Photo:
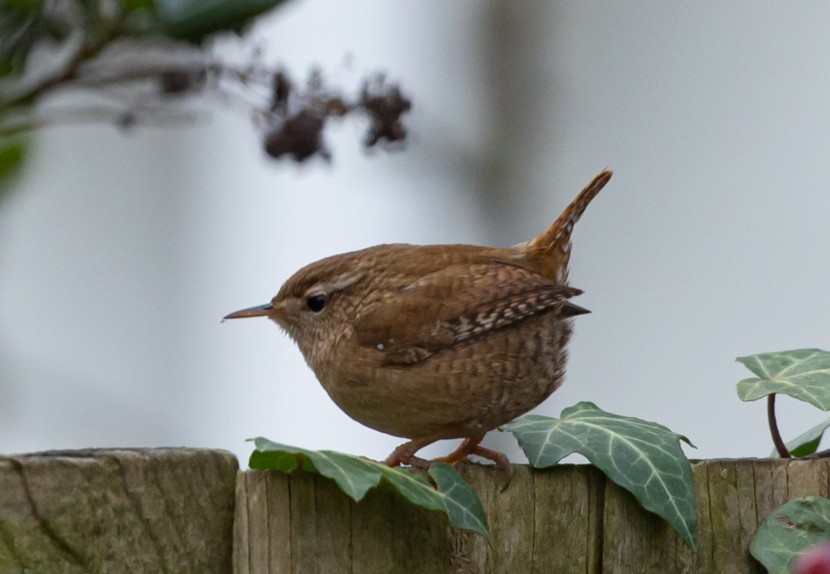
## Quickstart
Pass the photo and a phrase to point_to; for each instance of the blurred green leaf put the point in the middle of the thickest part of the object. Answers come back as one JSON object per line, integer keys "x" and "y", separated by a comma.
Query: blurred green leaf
{"x": 803, "y": 374}
{"x": 21, "y": 23}
{"x": 12, "y": 155}
{"x": 194, "y": 19}
{"x": 130, "y": 5}
{"x": 356, "y": 476}
{"x": 644, "y": 458}
{"x": 790, "y": 529}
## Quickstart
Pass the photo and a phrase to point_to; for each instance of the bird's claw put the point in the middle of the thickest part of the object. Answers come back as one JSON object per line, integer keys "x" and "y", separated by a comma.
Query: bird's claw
{"x": 405, "y": 455}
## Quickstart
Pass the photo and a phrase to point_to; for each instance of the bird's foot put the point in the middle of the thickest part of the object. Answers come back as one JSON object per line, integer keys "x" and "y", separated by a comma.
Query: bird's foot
{"x": 405, "y": 454}
{"x": 501, "y": 461}
{"x": 470, "y": 446}
{"x": 465, "y": 449}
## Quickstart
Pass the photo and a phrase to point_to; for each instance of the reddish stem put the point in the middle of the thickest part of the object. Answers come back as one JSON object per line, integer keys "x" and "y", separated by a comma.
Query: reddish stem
{"x": 773, "y": 429}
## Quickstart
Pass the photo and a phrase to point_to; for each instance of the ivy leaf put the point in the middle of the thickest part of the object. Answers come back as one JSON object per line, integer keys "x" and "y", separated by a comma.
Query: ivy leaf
{"x": 790, "y": 529}
{"x": 807, "y": 442}
{"x": 463, "y": 506}
{"x": 803, "y": 374}
{"x": 356, "y": 476}
{"x": 642, "y": 457}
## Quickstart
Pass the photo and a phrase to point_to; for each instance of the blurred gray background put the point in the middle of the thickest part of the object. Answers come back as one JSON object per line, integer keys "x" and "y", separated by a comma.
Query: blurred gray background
{"x": 119, "y": 253}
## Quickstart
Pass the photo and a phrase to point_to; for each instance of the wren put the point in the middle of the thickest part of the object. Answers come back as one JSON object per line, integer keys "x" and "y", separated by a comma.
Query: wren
{"x": 438, "y": 341}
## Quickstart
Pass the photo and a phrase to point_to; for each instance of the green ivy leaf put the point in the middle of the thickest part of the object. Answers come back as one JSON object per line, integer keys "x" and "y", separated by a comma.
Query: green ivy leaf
{"x": 463, "y": 506}
{"x": 803, "y": 374}
{"x": 355, "y": 476}
{"x": 807, "y": 442}
{"x": 790, "y": 529}
{"x": 642, "y": 457}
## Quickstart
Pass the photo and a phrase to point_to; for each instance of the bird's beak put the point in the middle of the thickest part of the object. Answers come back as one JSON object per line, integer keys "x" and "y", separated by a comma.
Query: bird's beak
{"x": 258, "y": 311}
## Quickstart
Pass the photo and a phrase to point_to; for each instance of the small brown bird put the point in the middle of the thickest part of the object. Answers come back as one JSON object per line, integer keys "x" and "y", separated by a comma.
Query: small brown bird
{"x": 439, "y": 341}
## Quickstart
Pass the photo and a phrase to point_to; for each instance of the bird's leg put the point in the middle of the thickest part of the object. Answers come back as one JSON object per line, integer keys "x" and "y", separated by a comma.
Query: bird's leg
{"x": 461, "y": 453}
{"x": 499, "y": 458}
{"x": 471, "y": 445}
{"x": 405, "y": 454}
{"x": 501, "y": 461}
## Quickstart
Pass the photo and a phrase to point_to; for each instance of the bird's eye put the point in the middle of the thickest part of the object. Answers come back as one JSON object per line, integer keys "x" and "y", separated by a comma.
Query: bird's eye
{"x": 317, "y": 302}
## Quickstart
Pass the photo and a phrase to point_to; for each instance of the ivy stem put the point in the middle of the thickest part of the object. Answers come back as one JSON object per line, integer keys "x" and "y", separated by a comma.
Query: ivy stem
{"x": 773, "y": 428}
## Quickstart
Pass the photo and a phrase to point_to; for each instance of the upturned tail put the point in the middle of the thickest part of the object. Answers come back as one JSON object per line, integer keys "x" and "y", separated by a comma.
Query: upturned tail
{"x": 551, "y": 251}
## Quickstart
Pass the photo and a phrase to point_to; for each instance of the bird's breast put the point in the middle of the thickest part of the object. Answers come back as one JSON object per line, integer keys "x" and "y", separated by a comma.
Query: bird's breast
{"x": 461, "y": 390}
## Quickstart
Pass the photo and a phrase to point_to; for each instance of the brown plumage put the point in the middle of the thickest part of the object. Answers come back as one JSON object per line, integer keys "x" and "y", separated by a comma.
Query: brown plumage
{"x": 441, "y": 341}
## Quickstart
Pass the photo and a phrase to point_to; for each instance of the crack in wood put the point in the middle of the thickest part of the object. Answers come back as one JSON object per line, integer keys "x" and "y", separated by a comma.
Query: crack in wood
{"x": 135, "y": 501}
{"x": 73, "y": 555}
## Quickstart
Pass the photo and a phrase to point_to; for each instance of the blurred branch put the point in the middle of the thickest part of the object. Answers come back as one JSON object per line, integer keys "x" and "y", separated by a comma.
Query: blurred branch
{"x": 147, "y": 57}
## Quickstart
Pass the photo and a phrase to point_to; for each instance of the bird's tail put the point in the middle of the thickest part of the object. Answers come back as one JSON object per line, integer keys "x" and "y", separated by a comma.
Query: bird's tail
{"x": 551, "y": 250}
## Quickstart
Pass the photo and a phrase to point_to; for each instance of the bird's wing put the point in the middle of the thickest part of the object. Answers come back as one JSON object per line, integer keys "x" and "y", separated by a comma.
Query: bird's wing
{"x": 458, "y": 304}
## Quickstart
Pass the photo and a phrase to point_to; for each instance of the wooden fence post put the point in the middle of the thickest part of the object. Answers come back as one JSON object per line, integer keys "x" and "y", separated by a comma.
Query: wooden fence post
{"x": 564, "y": 519}
{"x": 149, "y": 510}
{"x": 189, "y": 510}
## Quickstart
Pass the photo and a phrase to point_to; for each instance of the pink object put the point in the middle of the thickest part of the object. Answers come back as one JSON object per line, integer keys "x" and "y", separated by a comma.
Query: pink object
{"x": 814, "y": 560}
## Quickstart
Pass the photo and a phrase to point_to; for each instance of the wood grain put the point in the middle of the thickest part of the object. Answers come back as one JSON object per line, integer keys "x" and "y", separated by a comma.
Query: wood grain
{"x": 149, "y": 510}
{"x": 189, "y": 510}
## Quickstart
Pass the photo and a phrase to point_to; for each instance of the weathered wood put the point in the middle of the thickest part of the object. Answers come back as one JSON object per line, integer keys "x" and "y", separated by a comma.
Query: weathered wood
{"x": 372, "y": 535}
{"x": 173, "y": 511}
{"x": 421, "y": 540}
{"x": 152, "y": 510}
{"x": 688, "y": 560}
{"x": 632, "y": 541}
{"x": 725, "y": 501}
{"x": 333, "y": 535}
{"x": 566, "y": 535}
{"x": 565, "y": 519}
